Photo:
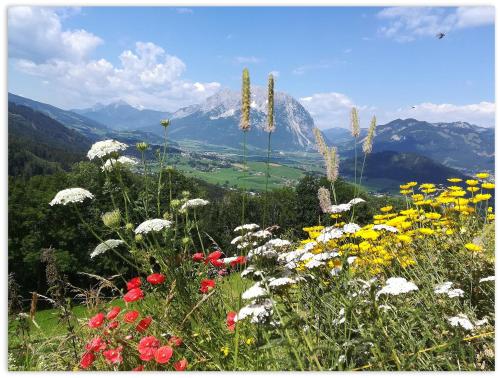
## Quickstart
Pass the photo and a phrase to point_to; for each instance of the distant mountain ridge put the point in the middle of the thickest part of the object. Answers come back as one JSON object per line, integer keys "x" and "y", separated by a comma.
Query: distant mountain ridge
{"x": 122, "y": 116}
{"x": 459, "y": 145}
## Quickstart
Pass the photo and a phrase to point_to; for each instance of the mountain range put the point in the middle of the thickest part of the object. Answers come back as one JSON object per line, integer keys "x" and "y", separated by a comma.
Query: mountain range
{"x": 215, "y": 121}
{"x": 459, "y": 145}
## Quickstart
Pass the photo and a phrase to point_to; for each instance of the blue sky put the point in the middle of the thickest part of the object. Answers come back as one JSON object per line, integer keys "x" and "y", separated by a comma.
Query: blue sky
{"x": 382, "y": 60}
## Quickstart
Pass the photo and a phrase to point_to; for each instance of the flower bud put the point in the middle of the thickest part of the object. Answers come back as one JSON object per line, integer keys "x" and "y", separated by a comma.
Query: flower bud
{"x": 142, "y": 146}
{"x": 139, "y": 238}
{"x": 165, "y": 122}
{"x": 112, "y": 219}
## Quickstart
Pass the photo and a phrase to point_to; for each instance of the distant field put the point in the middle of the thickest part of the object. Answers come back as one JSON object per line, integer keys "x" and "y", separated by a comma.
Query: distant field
{"x": 253, "y": 179}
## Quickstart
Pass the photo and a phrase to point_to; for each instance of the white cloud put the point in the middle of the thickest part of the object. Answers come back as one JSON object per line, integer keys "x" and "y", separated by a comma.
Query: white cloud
{"x": 333, "y": 110}
{"x": 405, "y": 24}
{"x": 275, "y": 74}
{"x": 310, "y": 67}
{"x": 247, "y": 59}
{"x": 481, "y": 114}
{"x": 36, "y": 34}
{"x": 146, "y": 77}
{"x": 184, "y": 10}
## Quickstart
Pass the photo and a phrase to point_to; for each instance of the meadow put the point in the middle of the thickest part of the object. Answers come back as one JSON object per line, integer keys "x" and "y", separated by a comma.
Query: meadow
{"x": 409, "y": 287}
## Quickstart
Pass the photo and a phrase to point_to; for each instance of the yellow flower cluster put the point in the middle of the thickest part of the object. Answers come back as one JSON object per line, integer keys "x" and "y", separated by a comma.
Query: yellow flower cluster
{"x": 434, "y": 212}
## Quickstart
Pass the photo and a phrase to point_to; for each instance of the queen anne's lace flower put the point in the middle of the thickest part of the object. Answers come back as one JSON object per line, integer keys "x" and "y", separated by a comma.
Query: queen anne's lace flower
{"x": 351, "y": 228}
{"x": 278, "y": 243}
{"x": 247, "y": 227}
{"x": 71, "y": 195}
{"x": 329, "y": 233}
{"x": 262, "y": 234}
{"x": 445, "y": 288}
{"x": 106, "y": 246}
{"x": 281, "y": 281}
{"x": 486, "y": 279}
{"x": 343, "y": 207}
{"x": 104, "y": 148}
{"x": 396, "y": 286}
{"x": 355, "y": 201}
{"x": 260, "y": 311}
{"x": 193, "y": 203}
{"x": 462, "y": 321}
{"x": 255, "y": 291}
{"x": 123, "y": 160}
{"x": 152, "y": 225}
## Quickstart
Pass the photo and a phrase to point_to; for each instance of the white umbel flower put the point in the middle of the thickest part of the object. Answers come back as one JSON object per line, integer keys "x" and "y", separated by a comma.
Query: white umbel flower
{"x": 255, "y": 291}
{"x": 123, "y": 160}
{"x": 258, "y": 311}
{"x": 281, "y": 281}
{"x": 396, "y": 286}
{"x": 152, "y": 225}
{"x": 262, "y": 234}
{"x": 104, "y": 148}
{"x": 247, "y": 227}
{"x": 355, "y": 201}
{"x": 385, "y": 227}
{"x": 194, "y": 203}
{"x": 278, "y": 243}
{"x": 71, "y": 195}
{"x": 462, "y": 321}
{"x": 329, "y": 233}
{"x": 445, "y": 288}
{"x": 351, "y": 228}
{"x": 343, "y": 207}
{"x": 486, "y": 279}
{"x": 106, "y": 246}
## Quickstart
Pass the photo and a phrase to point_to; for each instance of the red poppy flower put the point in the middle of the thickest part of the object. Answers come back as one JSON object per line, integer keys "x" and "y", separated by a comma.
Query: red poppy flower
{"x": 113, "y": 325}
{"x": 113, "y": 356}
{"x": 213, "y": 256}
{"x": 113, "y": 313}
{"x": 206, "y": 286}
{"x": 96, "y": 321}
{"x": 231, "y": 320}
{"x": 175, "y": 341}
{"x": 181, "y": 365}
{"x": 95, "y": 345}
{"x": 133, "y": 295}
{"x": 163, "y": 354}
{"x": 156, "y": 279}
{"x": 239, "y": 260}
{"x": 131, "y": 316}
{"x": 148, "y": 342}
{"x": 144, "y": 324}
{"x": 219, "y": 263}
{"x": 138, "y": 368}
{"x": 87, "y": 359}
{"x": 198, "y": 256}
{"x": 147, "y": 354}
{"x": 134, "y": 283}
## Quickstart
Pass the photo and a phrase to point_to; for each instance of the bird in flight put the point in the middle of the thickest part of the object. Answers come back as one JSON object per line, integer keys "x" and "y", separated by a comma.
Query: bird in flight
{"x": 413, "y": 107}
{"x": 440, "y": 35}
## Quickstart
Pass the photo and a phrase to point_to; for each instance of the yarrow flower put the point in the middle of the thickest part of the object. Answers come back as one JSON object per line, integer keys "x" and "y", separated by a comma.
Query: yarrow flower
{"x": 152, "y": 225}
{"x": 343, "y": 207}
{"x": 104, "y": 148}
{"x": 351, "y": 228}
{"x": 194, "y": 203}
{"x": 486, "y": 279}
{"x": 259, "y": 311}
{"x": 396, "y": 286}
{"x": 462, "y": 321}
{"x": 71, "y": 195}
{"x": 247, "y": 227}
{"x": 106, "y": 246}
{"x": 445, "y": 288}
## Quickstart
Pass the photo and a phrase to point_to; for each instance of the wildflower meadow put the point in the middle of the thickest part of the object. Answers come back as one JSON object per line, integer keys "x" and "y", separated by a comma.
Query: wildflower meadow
{"x": 409, "y": 287}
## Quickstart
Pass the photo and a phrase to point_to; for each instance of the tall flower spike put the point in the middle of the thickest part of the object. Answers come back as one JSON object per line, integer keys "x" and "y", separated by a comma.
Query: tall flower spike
{"x": 320, "y": 142}
{"x": 332, "y": 164}
{"x": 354, "y": 122}
{"x": 245, "y": 101}
{"x": 324, "y": 199}
{"x": 270, "y": 104}
{"x": 368, "y": 144}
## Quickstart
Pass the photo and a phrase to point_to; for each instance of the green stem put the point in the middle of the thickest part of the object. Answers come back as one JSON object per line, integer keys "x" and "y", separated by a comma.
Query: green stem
{"x": 162, "y": 160}
{"x": 266, "y": 210}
